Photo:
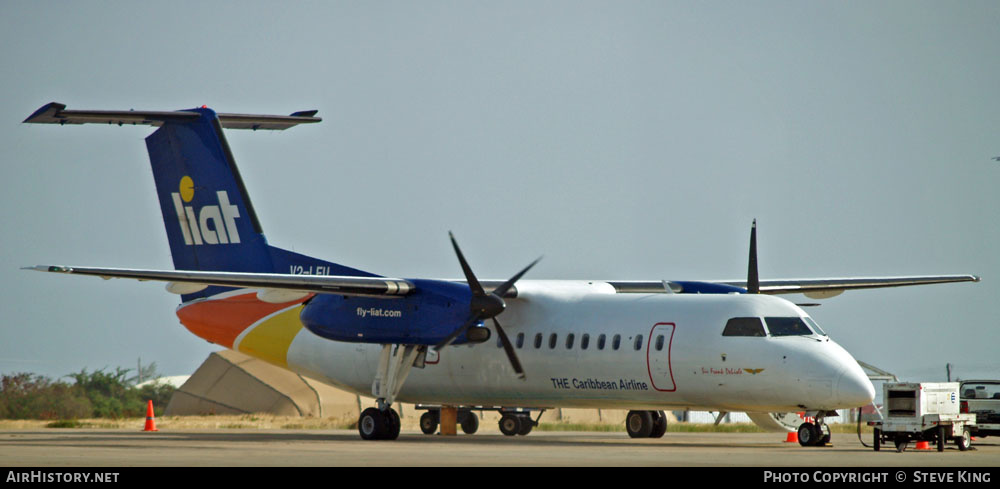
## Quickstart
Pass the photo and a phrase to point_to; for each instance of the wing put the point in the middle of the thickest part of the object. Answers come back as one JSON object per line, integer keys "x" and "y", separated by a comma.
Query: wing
{"x": 822, "y": 288}
{"x": 322, "y": 284}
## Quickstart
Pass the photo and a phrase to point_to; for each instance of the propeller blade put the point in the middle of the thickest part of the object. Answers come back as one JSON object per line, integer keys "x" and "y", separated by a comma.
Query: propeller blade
{"x": 454, "y": 334}
{"x": 477, "y": 289}
{"x": 504, "y": 287}
{"x": 507, "y": 347}
{"x": 484, "y": 306}
{"x": 753, "y": 281}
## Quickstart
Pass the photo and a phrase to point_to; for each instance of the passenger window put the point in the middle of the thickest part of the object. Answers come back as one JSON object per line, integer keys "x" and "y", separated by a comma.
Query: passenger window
{"x": 744, "y": 327}
{"x": 638, "y": 343}
{"x": 584, "y": 341}
{"x": 538, "y": 341}
{"x": 659, "y": 343}
{"x": 616, "y": 342}
{"x": 553, "y": 338}
{"x": 600, "y": 341}
{"x": 569, "y": 340}
{"x": 520, "y": 340}
{"x": 793, "y": 326}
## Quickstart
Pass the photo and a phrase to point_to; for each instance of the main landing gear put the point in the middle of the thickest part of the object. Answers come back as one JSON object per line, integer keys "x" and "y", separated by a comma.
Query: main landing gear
{"x": 382, "y": 423}
{"x": 467, "y": 420}
{"x": 646, "y": 424}
{"x": 512, "y": 424}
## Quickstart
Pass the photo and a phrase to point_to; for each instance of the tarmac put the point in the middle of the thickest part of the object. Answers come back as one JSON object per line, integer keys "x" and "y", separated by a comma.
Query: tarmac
{"x": 276, "y": 448}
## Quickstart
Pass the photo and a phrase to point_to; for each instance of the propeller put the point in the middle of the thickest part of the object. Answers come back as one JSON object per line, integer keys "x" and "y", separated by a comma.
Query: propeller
{"x": 486, "y": 306}
{"x": 753, "y": 281}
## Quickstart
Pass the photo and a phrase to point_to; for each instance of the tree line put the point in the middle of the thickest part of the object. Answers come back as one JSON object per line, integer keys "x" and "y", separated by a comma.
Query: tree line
{"x": 98, "y": 394}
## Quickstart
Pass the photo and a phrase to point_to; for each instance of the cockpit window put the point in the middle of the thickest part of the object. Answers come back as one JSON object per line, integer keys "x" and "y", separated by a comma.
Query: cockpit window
{"x": 744, "y": 327}
{"x": 793, "y": 326}
{"x": 815, "y": 327}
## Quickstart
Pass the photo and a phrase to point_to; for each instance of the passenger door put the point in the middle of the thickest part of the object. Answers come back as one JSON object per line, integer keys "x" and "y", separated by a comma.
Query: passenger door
{"x": 658, "y": 357}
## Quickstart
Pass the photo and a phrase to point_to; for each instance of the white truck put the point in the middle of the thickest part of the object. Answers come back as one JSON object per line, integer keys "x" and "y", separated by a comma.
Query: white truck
{"x": 982, "y": 398}
{"x": 925, "y": 411}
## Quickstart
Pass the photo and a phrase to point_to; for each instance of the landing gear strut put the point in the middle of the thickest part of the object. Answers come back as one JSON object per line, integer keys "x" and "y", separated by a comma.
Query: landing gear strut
{"x": 382, "y": 423}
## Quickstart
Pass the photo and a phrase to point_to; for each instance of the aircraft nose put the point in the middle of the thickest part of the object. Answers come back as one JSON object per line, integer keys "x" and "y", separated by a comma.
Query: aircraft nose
{"x": 854, "y": 388}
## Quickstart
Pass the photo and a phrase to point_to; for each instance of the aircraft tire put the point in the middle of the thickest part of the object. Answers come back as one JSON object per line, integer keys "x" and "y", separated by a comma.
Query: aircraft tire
{"x": 510, "y": 424}
{"x": 826, "y": 435}
{"x": 372, "y": 424}
{"x": 659, "y": 425}
{"x": 470, "y": 424}
{"x": 526, "y": 425}
{"x": 429, "y": 423}
{"x": 393, "y": 425}
{"x": 639, "y": 424}
{"x": 810, "y": 435}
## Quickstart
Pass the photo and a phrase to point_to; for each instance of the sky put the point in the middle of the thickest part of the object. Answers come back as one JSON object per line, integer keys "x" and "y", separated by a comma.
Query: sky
{"x": 622, "y": 140}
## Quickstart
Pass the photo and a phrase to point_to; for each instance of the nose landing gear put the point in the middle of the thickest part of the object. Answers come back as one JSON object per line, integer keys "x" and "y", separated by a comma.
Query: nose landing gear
{"x": 814, "y": 434}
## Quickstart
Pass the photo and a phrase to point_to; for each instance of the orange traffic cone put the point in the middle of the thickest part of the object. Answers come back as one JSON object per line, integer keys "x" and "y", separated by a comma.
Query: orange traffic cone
{"x": 150, "y": 418}
{"x": 923, "y": 445}
{"x": 793, "y": 437}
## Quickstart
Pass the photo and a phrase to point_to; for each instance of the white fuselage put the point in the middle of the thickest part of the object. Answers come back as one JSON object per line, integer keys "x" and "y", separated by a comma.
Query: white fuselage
{"x": 670, "y": 354}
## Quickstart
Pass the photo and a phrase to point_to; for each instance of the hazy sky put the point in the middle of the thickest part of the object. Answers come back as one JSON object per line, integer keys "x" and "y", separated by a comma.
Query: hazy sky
{"x": 622, "y": 140}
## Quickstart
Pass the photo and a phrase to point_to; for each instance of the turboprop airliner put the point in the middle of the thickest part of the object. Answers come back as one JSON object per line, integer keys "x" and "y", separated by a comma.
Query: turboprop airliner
{"x": 645, "y": 346}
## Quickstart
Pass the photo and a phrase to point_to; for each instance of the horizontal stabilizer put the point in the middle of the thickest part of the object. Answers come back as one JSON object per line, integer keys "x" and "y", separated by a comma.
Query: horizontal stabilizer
{"x": 56, "y": 113}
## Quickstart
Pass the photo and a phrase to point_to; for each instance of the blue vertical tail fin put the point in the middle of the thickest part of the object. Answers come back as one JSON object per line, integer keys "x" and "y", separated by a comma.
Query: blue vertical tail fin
{"x": 210, "y": 222}
{"x": 207, "y": 213}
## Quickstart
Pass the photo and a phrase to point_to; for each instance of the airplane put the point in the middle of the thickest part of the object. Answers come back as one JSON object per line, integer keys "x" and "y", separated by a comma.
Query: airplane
{"x": 645, "y": 346}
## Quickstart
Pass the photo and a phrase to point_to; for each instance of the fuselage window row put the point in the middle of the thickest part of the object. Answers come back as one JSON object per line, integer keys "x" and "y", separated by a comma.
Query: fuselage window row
{"x": 584, "y": 341}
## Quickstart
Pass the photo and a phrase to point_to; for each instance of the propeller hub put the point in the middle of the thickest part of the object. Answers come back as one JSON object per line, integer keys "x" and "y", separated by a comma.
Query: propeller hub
{"x": 487, "y": 306}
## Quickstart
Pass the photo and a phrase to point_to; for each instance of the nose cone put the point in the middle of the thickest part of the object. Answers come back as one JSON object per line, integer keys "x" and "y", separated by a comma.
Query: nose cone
{"x": 854, "y": 389}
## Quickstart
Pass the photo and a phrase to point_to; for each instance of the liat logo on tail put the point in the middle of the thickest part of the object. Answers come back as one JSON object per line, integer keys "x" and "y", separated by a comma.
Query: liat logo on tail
{"x": 195, "y": 228}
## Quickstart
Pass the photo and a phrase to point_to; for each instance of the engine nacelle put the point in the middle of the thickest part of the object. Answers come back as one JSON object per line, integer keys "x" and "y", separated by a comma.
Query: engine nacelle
{"x": 694, "y": 287}
{"x": 425, "y": 317}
